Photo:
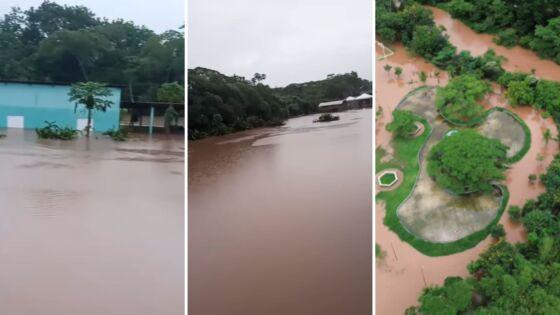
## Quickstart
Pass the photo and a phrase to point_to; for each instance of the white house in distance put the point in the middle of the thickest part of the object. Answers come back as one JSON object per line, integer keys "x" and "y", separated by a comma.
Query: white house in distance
{"x": 351, "y": 102}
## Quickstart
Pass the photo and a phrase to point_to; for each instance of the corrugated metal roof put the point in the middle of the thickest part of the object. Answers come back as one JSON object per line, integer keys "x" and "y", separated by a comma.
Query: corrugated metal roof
{"x": 331, "y": 103}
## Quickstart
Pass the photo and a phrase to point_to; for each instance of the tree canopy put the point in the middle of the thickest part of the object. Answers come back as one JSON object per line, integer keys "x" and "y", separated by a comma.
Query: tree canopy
{"x": 221, "y": 104}
{"x": 403, "y": 124}
{"x": 459, "y": 99}
{"x": 466, "y": 161}
{"x": 67, "y": 44}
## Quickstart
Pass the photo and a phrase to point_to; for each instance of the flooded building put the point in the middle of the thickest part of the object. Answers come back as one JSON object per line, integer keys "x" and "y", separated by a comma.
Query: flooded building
{"x": 351, "y": 102}
{"x": 30, "y": 104}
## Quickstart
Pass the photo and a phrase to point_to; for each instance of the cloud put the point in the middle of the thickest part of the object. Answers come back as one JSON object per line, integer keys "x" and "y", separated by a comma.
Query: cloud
{"x": 289, "y": 40}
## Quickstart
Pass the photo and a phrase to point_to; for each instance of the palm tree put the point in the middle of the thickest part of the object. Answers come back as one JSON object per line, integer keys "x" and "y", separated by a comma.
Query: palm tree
{"x": 93, "y": 96}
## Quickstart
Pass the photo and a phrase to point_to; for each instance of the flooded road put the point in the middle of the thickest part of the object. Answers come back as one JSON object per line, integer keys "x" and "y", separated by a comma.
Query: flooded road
{"x": 91, "y": 227}
{"x": 404, "y": 271}
{"x": 280, "y": 219}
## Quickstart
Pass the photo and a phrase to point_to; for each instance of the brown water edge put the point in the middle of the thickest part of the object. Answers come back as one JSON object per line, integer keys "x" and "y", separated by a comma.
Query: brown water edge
{"x": 280, "y": 219}
{"x": 91, "y": 227}
{"x": 403, "y": 277}
{"x": 518, "y": 58}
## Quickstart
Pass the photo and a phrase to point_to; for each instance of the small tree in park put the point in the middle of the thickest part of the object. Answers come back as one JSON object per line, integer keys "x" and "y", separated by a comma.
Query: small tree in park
{"x": 466, "y": 162}
{"x": 423, "y": 77}
{"x": 398, "y": 71}
{"x": 547, "y": 135}
{"x": 93, "y": 96}
{"x": 532, "y": 178}
{"x": 403, "y": 124}
{"x": 498, "y": 231}
{"x": 388, "y": 68}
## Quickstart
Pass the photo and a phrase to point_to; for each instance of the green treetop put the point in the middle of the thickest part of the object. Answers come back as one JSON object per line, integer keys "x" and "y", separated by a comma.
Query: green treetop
{"x": 466, "y": 162}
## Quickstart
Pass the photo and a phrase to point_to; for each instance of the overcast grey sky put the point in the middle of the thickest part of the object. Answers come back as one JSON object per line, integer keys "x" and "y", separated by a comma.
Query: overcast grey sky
{"x": 288, "y": 40}
{"x": 157, "y": 15}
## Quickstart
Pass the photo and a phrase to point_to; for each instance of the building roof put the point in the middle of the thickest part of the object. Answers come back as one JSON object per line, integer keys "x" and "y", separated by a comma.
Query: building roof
{"x": 332, "y": 103}
{"x": 364, "y": 96}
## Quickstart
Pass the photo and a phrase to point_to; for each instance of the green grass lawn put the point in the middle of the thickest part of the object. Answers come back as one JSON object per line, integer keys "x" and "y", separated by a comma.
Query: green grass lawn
{"x": 387, "y": 179}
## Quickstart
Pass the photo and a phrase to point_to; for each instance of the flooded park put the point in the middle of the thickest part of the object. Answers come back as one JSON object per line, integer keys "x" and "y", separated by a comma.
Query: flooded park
{"x": 91, "y": 226}
{"x": 403, "y": 270}
{"x": 282, "y": 212}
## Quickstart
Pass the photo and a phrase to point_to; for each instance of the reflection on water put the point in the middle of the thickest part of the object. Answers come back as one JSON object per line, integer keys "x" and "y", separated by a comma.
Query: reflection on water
{"x": 91, "y": 227}
{"x": 280, "y": 219}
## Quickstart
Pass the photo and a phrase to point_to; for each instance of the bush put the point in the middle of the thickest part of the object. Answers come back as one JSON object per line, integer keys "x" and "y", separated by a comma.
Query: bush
{"x": 53, "y": 131}
{"x": 403, "y": 124}
{"x": 507, "y": 37}
{"x": 497, "y": 231}
{"x": 458, "y": 101}
{"x": 515, "y": 213}
{"x": 532, "y": 178}
{"x": 117, "y": 134}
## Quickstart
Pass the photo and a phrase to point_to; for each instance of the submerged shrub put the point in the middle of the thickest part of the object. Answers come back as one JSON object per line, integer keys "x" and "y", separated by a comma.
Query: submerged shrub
{"x": 327, "y": 117}
{"x": 117, "y": 134}
{"x": 53, "y": 131}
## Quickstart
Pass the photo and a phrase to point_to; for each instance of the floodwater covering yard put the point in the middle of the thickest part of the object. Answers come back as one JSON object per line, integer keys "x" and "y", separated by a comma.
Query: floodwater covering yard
{"x": 91, "y": 226}
{"x": 404, "y": 271}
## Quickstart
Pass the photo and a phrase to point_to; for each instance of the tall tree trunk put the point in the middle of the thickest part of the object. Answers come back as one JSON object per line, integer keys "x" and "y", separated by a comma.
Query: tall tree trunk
{"x": 88, "y": 123}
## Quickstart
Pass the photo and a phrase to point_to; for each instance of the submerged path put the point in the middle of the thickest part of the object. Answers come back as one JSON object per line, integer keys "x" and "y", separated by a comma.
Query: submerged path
{"x": 404, "y": 271}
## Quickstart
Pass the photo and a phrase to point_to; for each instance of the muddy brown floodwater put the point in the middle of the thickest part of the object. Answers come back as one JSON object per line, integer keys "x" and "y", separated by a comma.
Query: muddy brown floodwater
{"x": 280, "y": 219}
{"x": 404, "y": 271}
{"x": 91, "y": 227}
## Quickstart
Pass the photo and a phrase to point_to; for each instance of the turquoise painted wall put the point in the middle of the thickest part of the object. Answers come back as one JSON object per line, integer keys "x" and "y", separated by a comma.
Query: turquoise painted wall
{"x": 40, "y": 102}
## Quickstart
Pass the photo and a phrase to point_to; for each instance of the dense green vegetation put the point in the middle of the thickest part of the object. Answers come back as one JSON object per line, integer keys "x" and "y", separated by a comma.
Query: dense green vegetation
{"x": 522, "y": 278}
{"x": 459, "y": 100}
{"x": 70, "y": 44}
{"x": 413, "y": 25}
{"x": 220, "y": 104}
{"x": 467, "y": 162}
{"x": 507, "y": 279}
{"x": 403, "y": 123}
